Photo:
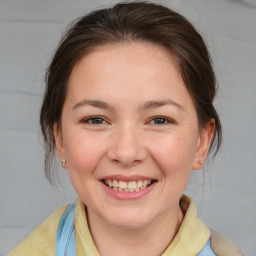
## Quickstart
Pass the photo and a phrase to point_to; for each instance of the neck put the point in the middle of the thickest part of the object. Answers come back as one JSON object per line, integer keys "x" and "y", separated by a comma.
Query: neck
{"x": 114, "y": 241}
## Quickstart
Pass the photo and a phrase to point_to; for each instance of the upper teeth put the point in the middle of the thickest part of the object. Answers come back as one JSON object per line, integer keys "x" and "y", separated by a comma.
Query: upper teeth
{"x": 130, "y": 186}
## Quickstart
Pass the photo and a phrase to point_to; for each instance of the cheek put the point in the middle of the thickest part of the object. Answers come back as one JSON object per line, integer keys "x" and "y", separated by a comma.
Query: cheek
{"x": 174, "y": 153}
{"x": 83, "y": 154}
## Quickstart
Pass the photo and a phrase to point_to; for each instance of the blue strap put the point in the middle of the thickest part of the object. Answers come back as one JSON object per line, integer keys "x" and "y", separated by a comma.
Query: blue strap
{"x": 66, "y": 242}
{"x": 207, "y": 250}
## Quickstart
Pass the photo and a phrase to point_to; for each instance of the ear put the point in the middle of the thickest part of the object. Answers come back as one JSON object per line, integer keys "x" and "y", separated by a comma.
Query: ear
{"x": 59, "y": 142}
{"x": 203, "y": 144}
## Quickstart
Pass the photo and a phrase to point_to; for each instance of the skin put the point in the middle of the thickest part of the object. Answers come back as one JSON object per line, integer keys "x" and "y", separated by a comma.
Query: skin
{"x": 144, "y": 123}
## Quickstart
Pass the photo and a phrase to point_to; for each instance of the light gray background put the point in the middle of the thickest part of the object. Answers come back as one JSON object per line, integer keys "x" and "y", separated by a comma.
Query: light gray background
{"x": 29, "y": 32}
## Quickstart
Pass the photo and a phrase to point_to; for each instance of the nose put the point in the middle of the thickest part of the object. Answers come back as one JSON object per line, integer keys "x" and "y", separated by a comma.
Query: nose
{"x": 127, "y": 148}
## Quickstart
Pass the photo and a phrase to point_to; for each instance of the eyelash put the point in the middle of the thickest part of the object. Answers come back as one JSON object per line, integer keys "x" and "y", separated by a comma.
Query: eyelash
{"x": 98, "y": 120}
{"x": 94, "y": 120}
{"x": 163, "y": 120}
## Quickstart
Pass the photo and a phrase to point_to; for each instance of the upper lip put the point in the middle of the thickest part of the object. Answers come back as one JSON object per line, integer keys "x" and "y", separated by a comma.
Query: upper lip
{"x": 127, "y": 178}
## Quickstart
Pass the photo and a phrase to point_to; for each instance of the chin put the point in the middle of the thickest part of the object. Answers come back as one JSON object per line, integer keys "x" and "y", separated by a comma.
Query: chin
{"x": 128, "y": 220}
{"x": 131, "y": 224}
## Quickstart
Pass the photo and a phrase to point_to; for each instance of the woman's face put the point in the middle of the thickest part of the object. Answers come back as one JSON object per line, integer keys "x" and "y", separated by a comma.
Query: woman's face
{"x": 129, "y": 134}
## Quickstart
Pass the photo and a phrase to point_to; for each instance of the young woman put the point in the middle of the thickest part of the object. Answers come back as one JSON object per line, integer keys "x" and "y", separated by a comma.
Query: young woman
{"x": 128, "y": 107}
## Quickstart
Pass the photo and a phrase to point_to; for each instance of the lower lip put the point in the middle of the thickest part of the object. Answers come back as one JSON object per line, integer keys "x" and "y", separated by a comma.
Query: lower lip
{"x": 128, "y": 195}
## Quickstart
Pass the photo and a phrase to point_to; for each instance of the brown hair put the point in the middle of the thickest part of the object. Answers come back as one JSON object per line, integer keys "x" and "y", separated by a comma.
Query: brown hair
{"x": 135, "y": 22}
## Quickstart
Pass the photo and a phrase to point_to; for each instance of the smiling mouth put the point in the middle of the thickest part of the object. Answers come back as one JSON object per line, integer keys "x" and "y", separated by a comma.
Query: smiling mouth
{"x": 131, "y": 186}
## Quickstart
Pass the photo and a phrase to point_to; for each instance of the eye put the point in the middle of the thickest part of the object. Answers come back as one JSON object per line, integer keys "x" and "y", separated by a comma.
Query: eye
{"x": 159, "y": 120}
{"x": 94, "y": 120}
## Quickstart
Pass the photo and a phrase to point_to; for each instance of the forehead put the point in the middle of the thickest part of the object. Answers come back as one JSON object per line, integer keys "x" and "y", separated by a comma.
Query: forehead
{"x": 129, "y": 68}
{"x": 133, "y": 57}
{"x": 128, "y": 54}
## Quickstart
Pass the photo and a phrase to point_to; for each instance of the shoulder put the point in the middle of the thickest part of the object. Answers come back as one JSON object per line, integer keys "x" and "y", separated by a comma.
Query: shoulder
{"x": 222, "y": 246}
{"x": 42, "y": 240}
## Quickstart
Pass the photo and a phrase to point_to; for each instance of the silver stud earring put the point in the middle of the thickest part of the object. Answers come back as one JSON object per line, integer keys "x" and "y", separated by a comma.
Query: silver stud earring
{"x": 63, "y": 162}
{"x": 200, "y": 162}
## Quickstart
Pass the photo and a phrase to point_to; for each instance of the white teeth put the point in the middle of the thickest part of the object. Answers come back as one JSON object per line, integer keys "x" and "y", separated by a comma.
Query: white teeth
{"x": 131, "y": 186}
{"x": 115, "y": 183}
{"x": 122, "y": 184}
{"x": 139, "y": 183}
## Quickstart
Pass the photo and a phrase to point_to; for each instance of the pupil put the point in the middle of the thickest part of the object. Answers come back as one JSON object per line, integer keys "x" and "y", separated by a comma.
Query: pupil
{"x": 97, "y": 120}
{"x": 159, "y": 121}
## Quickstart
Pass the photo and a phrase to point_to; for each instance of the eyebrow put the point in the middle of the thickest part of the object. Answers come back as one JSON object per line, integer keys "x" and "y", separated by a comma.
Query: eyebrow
{"x": 159, "y": 103}
{"x": 93, "y": 103}
{"x": 147, "y": 105}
